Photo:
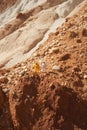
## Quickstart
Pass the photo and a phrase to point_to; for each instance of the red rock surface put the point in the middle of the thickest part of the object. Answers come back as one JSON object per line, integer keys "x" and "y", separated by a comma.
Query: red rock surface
{"x": 57, "y": 98}
{"x": 4, "y": 4}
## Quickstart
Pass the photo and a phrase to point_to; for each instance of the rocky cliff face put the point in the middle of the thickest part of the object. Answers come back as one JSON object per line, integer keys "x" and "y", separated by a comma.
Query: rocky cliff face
{"x": 54, "y": 98}
{"x": 27, "y": 24}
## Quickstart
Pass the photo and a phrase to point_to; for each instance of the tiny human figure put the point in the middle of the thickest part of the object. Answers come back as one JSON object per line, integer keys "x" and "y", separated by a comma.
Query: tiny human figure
{"x": 43, "y": 66}
{"x": 37, "y": 67}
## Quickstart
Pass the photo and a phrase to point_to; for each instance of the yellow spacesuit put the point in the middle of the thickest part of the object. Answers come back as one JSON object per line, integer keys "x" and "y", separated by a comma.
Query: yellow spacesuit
{"x": 37, "y": 67}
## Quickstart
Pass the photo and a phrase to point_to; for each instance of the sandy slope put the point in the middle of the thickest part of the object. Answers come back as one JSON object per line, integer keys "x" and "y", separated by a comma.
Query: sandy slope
{"x": 55, "y": 99}
{"x": 20, "y": 6}
{"x": 23, "y": 33}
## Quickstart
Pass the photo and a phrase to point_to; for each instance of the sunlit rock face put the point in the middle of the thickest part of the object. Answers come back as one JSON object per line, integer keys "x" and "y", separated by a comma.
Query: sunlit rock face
{"x": 47, "y": 89}
{"x": 24, "y": 24}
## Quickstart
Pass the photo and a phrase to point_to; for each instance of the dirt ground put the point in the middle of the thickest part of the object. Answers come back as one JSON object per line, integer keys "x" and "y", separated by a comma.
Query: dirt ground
{"x": 55, "y": 99}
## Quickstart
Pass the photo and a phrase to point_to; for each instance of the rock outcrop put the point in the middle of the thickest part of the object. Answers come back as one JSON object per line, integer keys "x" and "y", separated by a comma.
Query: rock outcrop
{"x": 25, "y": 25}
{"x": 53, "y": 99}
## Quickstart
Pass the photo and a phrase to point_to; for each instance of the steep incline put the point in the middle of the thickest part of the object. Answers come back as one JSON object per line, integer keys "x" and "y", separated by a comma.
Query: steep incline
{"x": 26, "y": 24}
{"x": 55, "y": 99}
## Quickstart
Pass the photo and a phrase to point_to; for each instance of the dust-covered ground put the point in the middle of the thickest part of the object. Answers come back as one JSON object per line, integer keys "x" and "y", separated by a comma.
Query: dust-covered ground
{"x": 55, "y": 99}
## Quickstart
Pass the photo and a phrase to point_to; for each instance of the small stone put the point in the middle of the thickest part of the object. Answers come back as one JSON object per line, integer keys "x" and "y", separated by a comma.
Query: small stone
{"x": 54, "y": 50}
{"x": 46, "y": 53}
{"x": 64, "y": 29}
{"x": 56, "y": 67}
{"x": 84, "y": 32}
{"x": 76, "y": 69}
{"x": 22, "y": 73}
{"x": 52, "y": 86}
{"x": 65, "y": 57}
{"x": 52, "y": 57}
{"x": 56, "y": 33}
{"x": 85, "y": 76}
{"x": 81, "y": 55}
{"x": 35, "y": 54}
{"x": 21, "y": 16}
{"x": 1, "y": 77}
{"x": 5, "y": 90}
{"x": 24, "y": 67}
{"x": 28, "y": 96}
{"x": 73, "y": 34}
{"x": 3, "y": 80}
{"x": 79, "y": 41}
{"x": 9, "y": 79}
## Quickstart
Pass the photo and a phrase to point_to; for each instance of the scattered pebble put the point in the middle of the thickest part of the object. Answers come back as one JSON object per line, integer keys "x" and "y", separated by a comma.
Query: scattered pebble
{"x": 85, "y": 76}
{"x": 5, "y": 90}
{"x": 56, "y": 67}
